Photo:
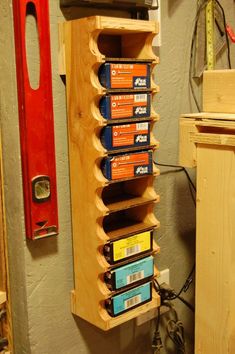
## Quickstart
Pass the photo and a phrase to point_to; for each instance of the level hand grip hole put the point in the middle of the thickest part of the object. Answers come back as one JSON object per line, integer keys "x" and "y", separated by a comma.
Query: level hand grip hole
{"x": 32, "y": 46}
{"x": 42, "y": 223}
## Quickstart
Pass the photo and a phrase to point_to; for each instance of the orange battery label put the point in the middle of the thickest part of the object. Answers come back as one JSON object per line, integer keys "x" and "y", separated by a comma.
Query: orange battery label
{"x": 131, "y": 165}
{"x": 130, "y": 134}
{"x": 124, "y": 106}
{"x": 129, "y": 75}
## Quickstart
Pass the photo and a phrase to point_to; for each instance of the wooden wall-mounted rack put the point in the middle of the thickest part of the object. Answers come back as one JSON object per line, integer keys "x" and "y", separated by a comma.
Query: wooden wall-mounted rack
{"x": 88, "y": 43}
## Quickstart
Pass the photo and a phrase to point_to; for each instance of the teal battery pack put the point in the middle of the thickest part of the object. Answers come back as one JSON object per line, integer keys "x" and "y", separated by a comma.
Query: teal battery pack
{"x": 130, "y": 274}
{"x": 128, "y": 300}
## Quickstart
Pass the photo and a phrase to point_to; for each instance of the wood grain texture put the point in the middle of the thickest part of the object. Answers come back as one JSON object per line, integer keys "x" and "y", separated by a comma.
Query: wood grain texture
{"x": 219, "y": 91}
{"x": 3, "y": 297}
{"x": 210, "y": 115}
{"x": 83, "y": 58}
{"x": 187, "y": 149}
{"x": 215, "y": 249}
{"x": 211, "y": 143}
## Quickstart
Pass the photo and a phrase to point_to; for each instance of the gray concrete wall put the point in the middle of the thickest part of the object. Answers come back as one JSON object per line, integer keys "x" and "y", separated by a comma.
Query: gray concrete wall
{"x": 41, "y": 272}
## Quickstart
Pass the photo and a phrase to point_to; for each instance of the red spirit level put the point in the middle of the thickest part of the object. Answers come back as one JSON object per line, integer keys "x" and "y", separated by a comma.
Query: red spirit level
{"x": 36, "y": 125}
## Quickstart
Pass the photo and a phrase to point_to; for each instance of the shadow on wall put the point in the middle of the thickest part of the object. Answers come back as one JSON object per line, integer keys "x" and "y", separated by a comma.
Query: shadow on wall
{"x": 125, "y": 339}
{"x": 43, "y": 247}
{"x": 172, "y": 6}
{"x": 96, "y": 340}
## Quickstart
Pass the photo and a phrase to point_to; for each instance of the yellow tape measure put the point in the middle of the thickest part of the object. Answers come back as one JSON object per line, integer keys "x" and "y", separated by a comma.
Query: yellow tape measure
{"x": 210, "y": 16}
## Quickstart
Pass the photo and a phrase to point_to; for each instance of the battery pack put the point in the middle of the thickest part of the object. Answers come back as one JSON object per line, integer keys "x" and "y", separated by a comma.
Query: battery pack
{"x": 137, "y": 105}
{"x": 128, "y": 300}
{"x": 128, "y": 247}
{"x": 129, "y": 274}
{"x": 125, "y": 75}
{"x": 126, "y": 135}
{"x": 127, "y": 165}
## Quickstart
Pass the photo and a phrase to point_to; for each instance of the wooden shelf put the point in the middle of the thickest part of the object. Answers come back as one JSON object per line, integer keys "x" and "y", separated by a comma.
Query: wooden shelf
{"x": 102, "y": 209}
{"x": 107, "y": 322}
{"x": 128, "y": 194}
{"x": 131, "y": 228}
{"x": 137, "y": 148}
{"x": 118, "y": 203}
{"x": 128, "y": 91}
{"x": 129, "y": 60}
{"x": 153, "y": 118}
{"x": 156, "y": 172}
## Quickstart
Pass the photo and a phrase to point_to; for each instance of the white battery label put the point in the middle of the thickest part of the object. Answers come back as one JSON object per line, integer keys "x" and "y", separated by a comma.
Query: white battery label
{"x": 140, "y": 98}
{"x": 142, "y": 126}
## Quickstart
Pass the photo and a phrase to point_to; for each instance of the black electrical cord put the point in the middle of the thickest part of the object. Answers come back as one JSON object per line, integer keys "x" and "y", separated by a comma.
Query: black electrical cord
{"x": 173, "y": 295}
{"x": 157, "y": 341}
{"x": 168, "y": 294}
{"x": 186, "y": 285}
{"x": 175, "y": 331}
{"x": 180, "y": 168}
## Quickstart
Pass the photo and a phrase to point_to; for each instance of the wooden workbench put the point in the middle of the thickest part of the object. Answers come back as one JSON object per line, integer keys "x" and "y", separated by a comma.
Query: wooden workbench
{"x": 207, "y": 140}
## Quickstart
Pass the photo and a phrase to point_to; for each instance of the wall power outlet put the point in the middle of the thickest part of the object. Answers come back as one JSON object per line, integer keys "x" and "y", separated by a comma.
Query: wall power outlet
{"x": 164, "y": 277}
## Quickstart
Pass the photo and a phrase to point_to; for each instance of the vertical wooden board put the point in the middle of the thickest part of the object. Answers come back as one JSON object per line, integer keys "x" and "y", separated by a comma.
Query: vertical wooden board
{"x": 187, "y": 148}
{"x": 215, "y": 258}
{"x": 2, "y": 233}
{"x": 219, "y": 91}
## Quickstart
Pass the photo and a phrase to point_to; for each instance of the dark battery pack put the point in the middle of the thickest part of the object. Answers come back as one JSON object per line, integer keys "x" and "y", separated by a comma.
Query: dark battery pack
{"x": 130, "y": 274}
{"x": 127, "y": 165}
{"x": 125, "y": 75}
{"x": 128, "y": 300}
{"x": 129, "y": 247}
{"x": 126, "y": 135}
{"x": 137, "y": 105}
{"x": 112, "y": 3}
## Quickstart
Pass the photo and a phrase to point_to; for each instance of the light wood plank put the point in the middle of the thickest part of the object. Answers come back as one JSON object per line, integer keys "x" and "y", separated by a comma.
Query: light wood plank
{"x": 210, "y": 115}
{"x": 125, "y": 25}
{"x": 219, "y": 91}
{"x": 215, "y": 250}
{"x": 187, "y": 148}
{"x": 131, "y": 229}
{"x": 213, "y": 139}
{"x": 118, "y": 204}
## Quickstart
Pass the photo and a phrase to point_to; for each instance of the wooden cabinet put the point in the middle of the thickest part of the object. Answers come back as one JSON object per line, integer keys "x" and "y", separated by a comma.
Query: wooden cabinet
{"x": 102, "y": 209}
{"x": 207, "y": 140}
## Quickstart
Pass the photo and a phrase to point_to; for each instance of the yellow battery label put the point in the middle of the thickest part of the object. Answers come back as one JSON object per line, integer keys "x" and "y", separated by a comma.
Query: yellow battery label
{"x": 132, "y": 245}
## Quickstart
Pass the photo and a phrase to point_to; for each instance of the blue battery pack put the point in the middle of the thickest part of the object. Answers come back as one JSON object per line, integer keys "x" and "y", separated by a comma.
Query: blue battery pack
{"x": 130, "y": 274}
{"x": 129, "y": 165}
{"x": 123, "y": 136}
{"x": 125, "y": 75}
{"x": 118, "y": 304}
{"x": 123, "y": 106}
